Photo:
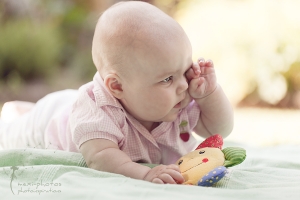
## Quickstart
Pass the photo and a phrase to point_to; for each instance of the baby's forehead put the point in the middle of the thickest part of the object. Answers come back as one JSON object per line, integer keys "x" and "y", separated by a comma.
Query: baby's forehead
{"x": 132, "y": 31}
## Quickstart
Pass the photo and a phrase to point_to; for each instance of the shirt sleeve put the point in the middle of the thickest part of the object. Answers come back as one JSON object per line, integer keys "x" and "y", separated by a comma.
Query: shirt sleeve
{"x": 87, "y": 121}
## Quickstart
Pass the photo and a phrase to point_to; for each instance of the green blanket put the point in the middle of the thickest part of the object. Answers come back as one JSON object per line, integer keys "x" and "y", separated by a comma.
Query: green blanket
{"x": 267, "y": 173}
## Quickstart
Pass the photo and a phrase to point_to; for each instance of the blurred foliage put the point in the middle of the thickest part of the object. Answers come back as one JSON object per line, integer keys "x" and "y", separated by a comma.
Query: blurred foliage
{"x": 293, "y": 85}
{"x": 293, "y": 77}
{"x": 42, "y": 38}
{"x": 258, "y": 41}
{"x": 46, "y": 45}
{"x": 29, "y": 51}
{"x": 255, "y": 46}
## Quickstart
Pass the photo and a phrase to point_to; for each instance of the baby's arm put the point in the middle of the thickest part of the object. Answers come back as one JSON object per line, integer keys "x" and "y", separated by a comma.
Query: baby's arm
{"x": 216, "y": 111}
{"x": 105, "y": 155}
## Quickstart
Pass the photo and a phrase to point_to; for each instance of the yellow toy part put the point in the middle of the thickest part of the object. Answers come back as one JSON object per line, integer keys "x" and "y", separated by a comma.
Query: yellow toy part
{"x": 207, "y": 164}
{"x": 200, "y": 162}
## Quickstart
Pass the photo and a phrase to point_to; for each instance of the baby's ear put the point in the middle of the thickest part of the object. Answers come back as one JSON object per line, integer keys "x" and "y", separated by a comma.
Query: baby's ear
{"x": 114, "y": 85}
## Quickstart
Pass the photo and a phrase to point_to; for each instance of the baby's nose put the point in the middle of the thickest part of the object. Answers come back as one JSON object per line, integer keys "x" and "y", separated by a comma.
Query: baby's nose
{"x": 183, "y": 85}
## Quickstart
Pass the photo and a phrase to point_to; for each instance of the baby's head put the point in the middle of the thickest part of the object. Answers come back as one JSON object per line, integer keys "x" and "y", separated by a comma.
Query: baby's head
{"x": 142, "y": 55}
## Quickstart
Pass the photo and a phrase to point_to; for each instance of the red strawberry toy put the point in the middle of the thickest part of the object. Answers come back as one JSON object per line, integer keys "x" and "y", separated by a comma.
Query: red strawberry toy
{"x": 213, "y": 141}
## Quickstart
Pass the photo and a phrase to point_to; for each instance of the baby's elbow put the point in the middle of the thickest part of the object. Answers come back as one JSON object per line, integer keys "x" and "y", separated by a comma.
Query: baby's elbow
{"x": 227, "y": 132}
{"x": 227, "y": 129}
{"x": 94, "y": 162}
{"x": 90, "y": 164}
{"x": 91, "y": 160}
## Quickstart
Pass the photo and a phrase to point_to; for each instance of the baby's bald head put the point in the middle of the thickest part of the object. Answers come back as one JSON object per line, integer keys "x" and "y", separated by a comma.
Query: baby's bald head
{"x": 127, "y": 30}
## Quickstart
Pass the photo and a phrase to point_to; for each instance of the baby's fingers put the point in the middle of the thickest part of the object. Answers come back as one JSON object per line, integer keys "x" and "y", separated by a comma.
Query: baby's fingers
{"x": 193, "y": 72}
{"x": 209, "y": 63}
{"x": 205, "y": 63}
{"x": 173, "y": 167}
{"x": 197, "y": 87}
{"x": 158, "y": 181}
{"x": 206, "y": 67}
{"x": 164, "y": 178}
{"x": 174, "y": 172}
{"x": 170, "y": 177}
{"x": 165, "y": 174}
{"x": 177, "y": 176}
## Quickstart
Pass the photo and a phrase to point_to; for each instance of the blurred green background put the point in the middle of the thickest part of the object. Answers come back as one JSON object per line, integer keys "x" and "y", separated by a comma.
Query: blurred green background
{"x": 45, "y": 46}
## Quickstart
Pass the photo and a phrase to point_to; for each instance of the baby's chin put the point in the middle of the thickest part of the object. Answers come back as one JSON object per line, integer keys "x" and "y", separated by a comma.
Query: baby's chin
{"x": 174, "y": 112}
{"x": 172, "y": 115}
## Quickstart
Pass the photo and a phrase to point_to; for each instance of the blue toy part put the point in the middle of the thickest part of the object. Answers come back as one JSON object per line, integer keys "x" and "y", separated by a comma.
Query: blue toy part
{"x": 213, "y": 176}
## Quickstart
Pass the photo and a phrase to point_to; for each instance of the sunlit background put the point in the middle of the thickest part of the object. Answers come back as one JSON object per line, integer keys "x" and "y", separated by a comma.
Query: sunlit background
{"x": 45, "y": 46}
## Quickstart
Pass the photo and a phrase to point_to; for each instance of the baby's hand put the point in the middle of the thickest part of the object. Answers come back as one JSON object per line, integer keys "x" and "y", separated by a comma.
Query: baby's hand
{"x": 202, "y": 79}
{"x": 165, "y": 174}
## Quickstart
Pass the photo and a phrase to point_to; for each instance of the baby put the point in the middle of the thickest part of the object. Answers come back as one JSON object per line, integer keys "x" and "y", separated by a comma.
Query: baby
{"x": 142, "y": 105}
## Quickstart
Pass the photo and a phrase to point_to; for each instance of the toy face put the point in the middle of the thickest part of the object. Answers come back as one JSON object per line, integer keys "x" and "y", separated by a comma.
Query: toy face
{"x": 196, "y": 164}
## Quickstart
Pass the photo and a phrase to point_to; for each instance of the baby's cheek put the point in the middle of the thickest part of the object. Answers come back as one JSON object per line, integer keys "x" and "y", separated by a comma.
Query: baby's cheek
{"x": 163, "y": 100}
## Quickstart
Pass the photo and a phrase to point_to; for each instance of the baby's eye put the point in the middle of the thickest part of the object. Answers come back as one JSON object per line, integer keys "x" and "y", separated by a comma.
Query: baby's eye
{"x": 167, "y": 79}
